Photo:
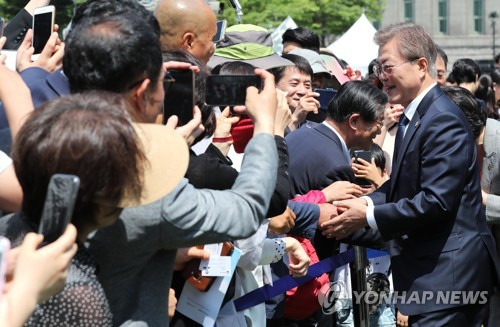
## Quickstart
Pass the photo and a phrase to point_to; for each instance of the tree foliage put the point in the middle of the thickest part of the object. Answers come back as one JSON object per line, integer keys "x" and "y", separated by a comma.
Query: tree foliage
{"x": 64, "y": 9}
{"x": 325, "y": 17}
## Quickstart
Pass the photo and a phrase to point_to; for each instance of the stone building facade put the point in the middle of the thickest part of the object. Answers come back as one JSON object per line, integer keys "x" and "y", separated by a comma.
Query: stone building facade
{"x": 463, "y": 28}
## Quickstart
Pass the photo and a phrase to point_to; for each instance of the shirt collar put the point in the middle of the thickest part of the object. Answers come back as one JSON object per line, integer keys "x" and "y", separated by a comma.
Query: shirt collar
{"x": 342, "y": 142}
{"x": 412, "y": 107}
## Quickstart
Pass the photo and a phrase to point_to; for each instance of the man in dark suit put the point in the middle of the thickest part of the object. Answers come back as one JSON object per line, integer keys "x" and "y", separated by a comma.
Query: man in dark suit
{"x": 431, "y": 207}
{"x": 319, "y": 154}
{"x": 16, "y": 29}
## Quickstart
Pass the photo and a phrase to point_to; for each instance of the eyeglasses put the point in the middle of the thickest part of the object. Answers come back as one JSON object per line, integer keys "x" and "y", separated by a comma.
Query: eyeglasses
{"x": 387, "y": 70}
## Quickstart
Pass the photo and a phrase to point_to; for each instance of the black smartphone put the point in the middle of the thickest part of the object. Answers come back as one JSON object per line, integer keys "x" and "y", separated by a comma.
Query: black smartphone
{"x": 43, "y": 26}
{"x": 179, "y": 95}
{"x": 221, "y": 31}
{"x": 325, "y": 97}
{"x": 230, "y": 90}
{"x": 367, "y": 156}
{"x": 58, "y": 207}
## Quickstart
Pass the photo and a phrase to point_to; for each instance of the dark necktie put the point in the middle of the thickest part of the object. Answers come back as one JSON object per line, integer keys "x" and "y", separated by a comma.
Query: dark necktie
{"x": 403, "y": 121}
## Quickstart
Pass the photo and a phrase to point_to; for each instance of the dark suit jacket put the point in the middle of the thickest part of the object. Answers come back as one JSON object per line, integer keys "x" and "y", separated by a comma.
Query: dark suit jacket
{"x": 316, "y": 159}
{"x": 16, "y": 29}
{"x": 431, "y": 208}
{"x": 44, "y": 86}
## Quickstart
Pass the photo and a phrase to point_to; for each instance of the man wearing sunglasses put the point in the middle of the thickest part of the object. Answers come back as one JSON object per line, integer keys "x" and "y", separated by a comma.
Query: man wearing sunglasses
{"x": 430, "y": 210}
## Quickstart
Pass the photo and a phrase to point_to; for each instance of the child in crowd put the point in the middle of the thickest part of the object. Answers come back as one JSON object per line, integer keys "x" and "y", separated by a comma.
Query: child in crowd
{"x": 378, "y": 272}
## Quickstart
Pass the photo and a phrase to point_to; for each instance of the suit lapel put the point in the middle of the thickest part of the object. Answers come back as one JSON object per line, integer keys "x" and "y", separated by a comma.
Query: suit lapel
{"x": 415, "y": 123}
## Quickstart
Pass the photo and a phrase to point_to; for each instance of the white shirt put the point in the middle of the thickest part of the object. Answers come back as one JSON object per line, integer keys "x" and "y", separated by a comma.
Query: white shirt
{"x": 409, "y": 112}
{"x": 342, "y": 142}
{"x": 5, "y": 161}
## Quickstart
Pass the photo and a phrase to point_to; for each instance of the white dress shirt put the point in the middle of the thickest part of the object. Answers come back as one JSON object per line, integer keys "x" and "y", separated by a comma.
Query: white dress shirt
{"x": 344, "y": 146}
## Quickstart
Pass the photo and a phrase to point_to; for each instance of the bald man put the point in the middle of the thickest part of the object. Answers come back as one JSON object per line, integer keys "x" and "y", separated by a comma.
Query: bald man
{"x": 187, "y": 24}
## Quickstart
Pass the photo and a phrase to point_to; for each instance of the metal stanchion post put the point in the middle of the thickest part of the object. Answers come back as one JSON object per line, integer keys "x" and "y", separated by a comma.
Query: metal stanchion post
{"x": 358, "y": 283}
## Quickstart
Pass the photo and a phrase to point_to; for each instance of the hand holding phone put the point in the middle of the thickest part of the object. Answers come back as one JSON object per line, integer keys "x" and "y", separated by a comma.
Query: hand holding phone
{"x": 230, "y": 90}
{"x": 325, "y": 97}
{"x": 179, "y": 95}
{"x": 366, "y": 156}
{"x": 58, "y": 207}
{"x": 43, "y": 26}
{"x": 221, "y": 31}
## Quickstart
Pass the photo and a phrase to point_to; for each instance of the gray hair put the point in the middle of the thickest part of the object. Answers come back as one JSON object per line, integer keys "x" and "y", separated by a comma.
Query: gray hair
{"x": 413, "y": 42}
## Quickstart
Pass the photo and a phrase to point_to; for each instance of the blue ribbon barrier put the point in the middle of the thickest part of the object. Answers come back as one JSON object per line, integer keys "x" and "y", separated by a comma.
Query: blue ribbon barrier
{"x": 286, "y": 283}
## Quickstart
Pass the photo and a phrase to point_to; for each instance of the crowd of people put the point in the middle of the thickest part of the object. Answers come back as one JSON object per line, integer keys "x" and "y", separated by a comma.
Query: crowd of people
{"x": 277, "y": 179}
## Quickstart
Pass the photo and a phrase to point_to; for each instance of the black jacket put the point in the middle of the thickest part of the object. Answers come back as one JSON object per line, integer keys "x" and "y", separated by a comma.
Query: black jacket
{"x": 213, "y": 170}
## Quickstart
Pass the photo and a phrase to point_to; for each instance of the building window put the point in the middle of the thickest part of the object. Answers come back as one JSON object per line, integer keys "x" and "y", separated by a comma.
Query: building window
{"x": 478, "y": 16}
{"x": 408, "y": 10}
{"x": 443, "y": 16}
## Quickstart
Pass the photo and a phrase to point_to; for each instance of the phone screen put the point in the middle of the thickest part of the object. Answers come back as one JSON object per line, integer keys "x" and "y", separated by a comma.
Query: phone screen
{"x": 325, "y": 97}
{"x": 179, "y": 95}
{"x": 58, "y": 207}
{"x": 230, "y": 90}
{"x": 42, "y": 29}
{"x": 221, "y": 29}
{"x": 365, "y": 155}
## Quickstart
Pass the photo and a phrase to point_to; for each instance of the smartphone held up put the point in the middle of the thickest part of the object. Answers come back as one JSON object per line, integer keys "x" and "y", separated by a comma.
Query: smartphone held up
{"x": 179, "y": 95}
{"x": 58, "y": 207}
{"x": 230, "y": 90}
{"x": 43, "y": 26}
{"x": 366, "y": 156}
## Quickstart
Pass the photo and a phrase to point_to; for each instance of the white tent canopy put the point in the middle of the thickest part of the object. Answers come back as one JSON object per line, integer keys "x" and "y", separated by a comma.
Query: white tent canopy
{"x": 356, "y": 46}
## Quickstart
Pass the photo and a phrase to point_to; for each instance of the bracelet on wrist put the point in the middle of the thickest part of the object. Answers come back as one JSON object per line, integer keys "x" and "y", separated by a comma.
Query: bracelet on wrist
{"x": 222, "y": 139}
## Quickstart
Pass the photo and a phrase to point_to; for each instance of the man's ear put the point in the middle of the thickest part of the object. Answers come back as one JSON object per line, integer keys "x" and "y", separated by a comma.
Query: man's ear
{"x": 423, "y": 64}
{"x": 139, "y": 98}
{"x": 187, "y": 40}
{"x": 354, "y": 121}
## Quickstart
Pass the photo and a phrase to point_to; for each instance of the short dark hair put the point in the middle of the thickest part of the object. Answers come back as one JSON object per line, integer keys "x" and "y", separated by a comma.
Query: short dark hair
{"x": 442, "y": 54}
{"x": 450, "y": 78}
{"x": 236, "y": 68}
{"x": 99, "y": 8}
{"x": 372, "y": 64}
{"x": 200, "y": 80}
{"x": 413, "y": 42}
{"x": 378, "y": 155}
{"x": 495, "y": 76}
{"x": 466, "y": 101}
{"x": 359, "y": 97}
{"x": 497, "y": 58}
{"x": 112, "y": 53}
{"x": 486, "y": 93}
{"x": 301, "y": 64}
{"x": 89, "y": 135}
{"x": 465, "y": 70}
{"x": 306, "y": 38}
